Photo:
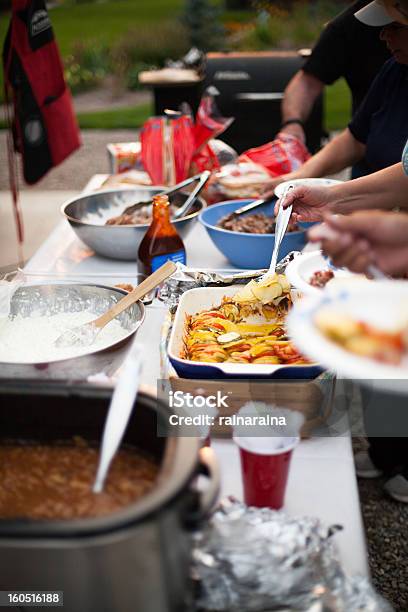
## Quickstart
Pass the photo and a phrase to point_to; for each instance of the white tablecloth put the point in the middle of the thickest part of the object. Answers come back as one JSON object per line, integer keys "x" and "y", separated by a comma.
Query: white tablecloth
{"x": 322, "y": 479}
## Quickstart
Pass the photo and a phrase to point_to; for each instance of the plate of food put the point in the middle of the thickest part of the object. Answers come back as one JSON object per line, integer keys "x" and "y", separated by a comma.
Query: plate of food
{"x": 237, "y": 332}
{"x": 359, "y": 331}
{"x": 311, "y": 272}
{"x": 313, "y": 182}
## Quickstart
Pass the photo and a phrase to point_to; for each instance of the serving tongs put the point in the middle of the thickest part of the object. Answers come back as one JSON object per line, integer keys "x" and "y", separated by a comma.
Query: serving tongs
{"x": 282, "y": 222}
{"x": 202, "y": 178}
{"x": 85, "y": 335}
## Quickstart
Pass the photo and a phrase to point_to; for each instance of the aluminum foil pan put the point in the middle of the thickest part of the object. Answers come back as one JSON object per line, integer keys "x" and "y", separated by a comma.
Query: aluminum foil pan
{"x": 253, "y": 560}
{"x": 49, "y": 299}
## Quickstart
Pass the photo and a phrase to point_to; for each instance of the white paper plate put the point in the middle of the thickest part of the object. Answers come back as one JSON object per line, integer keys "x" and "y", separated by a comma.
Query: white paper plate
{"x": 380, "y": 303}
{"x": 300, "y": 270}
{"x": 313, "y": 182}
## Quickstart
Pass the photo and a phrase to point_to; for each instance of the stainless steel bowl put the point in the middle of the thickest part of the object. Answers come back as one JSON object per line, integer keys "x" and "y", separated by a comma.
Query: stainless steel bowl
{"x": 87, "y": 215}
{"x": 49, "y": 299}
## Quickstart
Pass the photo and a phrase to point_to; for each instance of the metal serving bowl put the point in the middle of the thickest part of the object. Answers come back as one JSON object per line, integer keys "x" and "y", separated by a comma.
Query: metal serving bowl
{"x": 87, "y": 215}
{"x": 54, "y": 298}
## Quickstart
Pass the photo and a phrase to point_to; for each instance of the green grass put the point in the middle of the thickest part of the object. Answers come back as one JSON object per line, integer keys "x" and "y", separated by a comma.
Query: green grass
{"x": 123, "y": 118}
{"x": 103, "y": 22}
{"x": 338, "y": 106}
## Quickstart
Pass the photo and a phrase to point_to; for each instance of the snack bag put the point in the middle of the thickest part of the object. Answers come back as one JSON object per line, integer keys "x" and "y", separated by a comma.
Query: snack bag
{"x": 167, "y": 148}
{"x": 204, "y": 159}
{"x": 212, "y": 156}
{"x": 153, "y": 155}
{"x": 208, "y": 122}
{"x": 124, "y": 156}
{"x": 284, "y": 154}
{"x": 183, "y": 145}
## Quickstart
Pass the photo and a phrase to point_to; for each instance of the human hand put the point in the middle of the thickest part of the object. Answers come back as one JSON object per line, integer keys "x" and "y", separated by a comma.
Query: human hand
{"x": 294, "y": 129}
{"x": 365, "y": 238}
{"x": 309, "y": 203}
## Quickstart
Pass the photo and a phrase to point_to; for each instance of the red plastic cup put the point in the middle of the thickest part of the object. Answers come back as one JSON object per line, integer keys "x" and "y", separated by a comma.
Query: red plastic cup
{"x": 265, "y": 474}
{"x": 206, "y": 441}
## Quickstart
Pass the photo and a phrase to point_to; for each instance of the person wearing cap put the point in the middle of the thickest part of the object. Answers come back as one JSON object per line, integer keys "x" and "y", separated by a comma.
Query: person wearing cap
{"x": 340, "y": 51}
{"x": 363, "y": 238}
{"x": 378, "y": 131}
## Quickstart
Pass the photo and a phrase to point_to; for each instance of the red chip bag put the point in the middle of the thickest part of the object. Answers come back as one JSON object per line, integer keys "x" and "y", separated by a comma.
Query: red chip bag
{"x": 208, "y": 122}
{"x": 183, "y": 145}
{"x": 205, "y": 159}
{"x": 167, "y": 148}
{"x": 284, "y": 154}
{"x": 152, "y": 139}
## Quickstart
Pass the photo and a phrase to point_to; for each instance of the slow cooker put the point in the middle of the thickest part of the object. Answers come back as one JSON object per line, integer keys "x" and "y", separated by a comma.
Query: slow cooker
{"x": 135, "y": 560}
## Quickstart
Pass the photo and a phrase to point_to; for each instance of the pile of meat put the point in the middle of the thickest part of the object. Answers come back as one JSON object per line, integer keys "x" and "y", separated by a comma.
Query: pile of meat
{"x": 257, "y": 223}
{"x": 320, "y": 278}
{"x": 141, "y": 215}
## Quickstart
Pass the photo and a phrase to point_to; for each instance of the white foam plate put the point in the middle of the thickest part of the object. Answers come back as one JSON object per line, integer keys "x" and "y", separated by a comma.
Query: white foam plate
{"x": 313, "y": 182}
{"x": 383, "y": 304}
{"x": 300, "y": 270}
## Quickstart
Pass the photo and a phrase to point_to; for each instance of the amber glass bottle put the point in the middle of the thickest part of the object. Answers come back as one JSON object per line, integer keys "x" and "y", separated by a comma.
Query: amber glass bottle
{"x": 161, "y": 241}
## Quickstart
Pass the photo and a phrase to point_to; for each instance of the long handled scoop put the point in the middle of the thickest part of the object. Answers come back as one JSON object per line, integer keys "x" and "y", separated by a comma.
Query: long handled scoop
{"x": 84, "y": 335}
{"x": 183, "y": 210}
{"x": 120, "y": 409}
{"x": 282, "y": 221}
{"x": 132, "y": 208}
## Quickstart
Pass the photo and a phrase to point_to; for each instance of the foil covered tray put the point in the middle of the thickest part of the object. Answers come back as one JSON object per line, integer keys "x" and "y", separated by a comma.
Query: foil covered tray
{"x": 260, "y": 560}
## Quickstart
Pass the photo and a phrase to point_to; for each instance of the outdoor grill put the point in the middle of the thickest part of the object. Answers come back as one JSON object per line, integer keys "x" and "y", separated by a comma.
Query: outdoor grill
{"x": 251, "y": 87}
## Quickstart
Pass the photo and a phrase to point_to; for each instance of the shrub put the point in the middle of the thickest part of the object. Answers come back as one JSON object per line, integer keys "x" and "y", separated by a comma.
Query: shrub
{"x": 201, "y": 19}
{"x": 151, "y": 45}
{"x": 86, "y": 66}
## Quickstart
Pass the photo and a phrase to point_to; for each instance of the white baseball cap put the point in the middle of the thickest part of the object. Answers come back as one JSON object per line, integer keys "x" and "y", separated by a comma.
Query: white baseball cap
{"x": 374, "y": 14}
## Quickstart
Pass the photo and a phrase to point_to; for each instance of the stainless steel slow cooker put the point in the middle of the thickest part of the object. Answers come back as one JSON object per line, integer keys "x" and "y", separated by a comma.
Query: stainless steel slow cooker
{"x": 136, "y": 560}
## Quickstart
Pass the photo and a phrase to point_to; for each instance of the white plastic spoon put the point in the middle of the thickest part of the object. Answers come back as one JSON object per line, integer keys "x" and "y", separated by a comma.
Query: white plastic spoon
{"x": 120, "y": 409}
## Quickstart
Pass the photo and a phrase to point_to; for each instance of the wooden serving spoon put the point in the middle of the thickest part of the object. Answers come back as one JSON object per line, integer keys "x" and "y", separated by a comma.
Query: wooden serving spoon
{"x": 84, "y": 335}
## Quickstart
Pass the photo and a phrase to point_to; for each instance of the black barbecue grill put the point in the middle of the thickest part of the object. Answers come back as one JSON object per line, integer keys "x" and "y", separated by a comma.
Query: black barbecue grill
{"x": 251, "y": 87}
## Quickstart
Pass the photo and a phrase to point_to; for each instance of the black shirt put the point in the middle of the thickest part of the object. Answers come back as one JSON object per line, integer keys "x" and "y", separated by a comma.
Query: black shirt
{"x": 348, "y": 48}
{"x": 381, "y": 121}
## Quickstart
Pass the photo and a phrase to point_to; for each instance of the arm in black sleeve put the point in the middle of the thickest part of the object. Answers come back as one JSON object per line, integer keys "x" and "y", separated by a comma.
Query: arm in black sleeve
{"x": 328, "y": 60}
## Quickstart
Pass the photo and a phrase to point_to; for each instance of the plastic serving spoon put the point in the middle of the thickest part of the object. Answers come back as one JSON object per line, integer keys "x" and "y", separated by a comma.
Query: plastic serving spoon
{"x": 84, "y": 335}
{"x": 282, "y": 221}
{"x": 119, "y": 412}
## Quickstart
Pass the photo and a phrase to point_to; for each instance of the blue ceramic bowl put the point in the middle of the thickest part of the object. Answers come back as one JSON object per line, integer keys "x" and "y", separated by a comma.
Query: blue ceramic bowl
{"x": 250, "y": 251}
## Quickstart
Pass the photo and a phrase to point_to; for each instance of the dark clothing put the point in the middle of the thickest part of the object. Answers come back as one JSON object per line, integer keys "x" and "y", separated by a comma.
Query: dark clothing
{"x": 386, "y": 426}
{"x": 381, "y": 122}
{"x": 348, "y": 48}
